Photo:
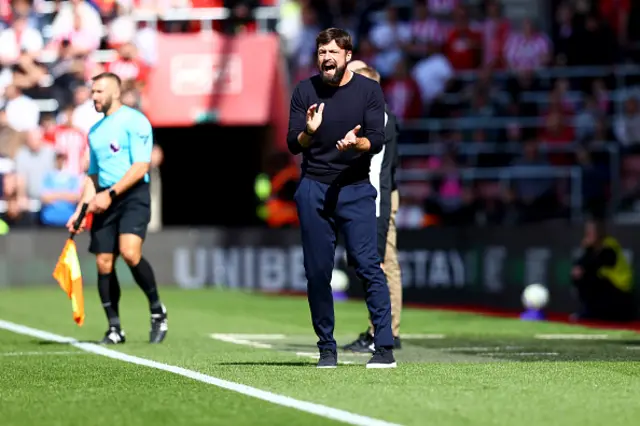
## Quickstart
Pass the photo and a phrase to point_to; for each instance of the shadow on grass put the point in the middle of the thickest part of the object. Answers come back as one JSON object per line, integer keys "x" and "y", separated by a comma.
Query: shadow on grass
{"x": 535, "y": 350}
{"x": 54, "y": 343}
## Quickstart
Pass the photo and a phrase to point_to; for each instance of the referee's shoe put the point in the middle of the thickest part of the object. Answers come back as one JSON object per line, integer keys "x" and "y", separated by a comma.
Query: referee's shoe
{"x": 159, "y": 326}
{"x": 113, "y": 336}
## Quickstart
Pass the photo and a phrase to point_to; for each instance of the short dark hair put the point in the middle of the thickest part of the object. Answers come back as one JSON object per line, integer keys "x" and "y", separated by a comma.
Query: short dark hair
{"x": 341, "y": 37}
{"x": 109, "y": 76}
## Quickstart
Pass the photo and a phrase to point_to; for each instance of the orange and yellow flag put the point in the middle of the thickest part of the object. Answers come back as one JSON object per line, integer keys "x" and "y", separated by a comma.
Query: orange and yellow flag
{"x": 69, "y": 276}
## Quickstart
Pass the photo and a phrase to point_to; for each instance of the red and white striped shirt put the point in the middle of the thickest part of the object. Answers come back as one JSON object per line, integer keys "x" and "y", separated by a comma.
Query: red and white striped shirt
{"x": 494, "y": 33}
{"x": 72, "y": 142}
{"x": 403, "y": 97}
{"x": 526, "y": 53}
{"x": 128, "y": 69}
{"x": 429, "y": 30}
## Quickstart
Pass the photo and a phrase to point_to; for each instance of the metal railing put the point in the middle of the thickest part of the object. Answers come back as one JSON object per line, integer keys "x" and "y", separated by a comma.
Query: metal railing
{"x": 618, "y": 72}
{"x": 508, "y": 174}
{"x": 474, "y": 149}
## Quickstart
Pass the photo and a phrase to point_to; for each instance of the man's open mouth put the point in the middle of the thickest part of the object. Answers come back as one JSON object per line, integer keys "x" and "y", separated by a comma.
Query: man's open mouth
{"x": 328, "y": 67}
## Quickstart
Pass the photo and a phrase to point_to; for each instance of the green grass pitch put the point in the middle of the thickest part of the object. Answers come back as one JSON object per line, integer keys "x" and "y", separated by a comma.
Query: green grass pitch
{"x": 454, "y": 369}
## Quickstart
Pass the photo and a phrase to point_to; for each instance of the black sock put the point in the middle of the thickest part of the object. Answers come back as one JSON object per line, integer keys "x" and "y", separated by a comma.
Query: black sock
{"x": 114, "y": 292}
{"x": 143, "y": 274}
{"x": 104, "y": 289}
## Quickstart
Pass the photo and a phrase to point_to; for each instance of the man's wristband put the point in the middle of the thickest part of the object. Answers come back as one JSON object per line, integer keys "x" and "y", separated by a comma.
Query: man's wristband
{"x": 112, "y": 193}
{"x": 307, "y": 132}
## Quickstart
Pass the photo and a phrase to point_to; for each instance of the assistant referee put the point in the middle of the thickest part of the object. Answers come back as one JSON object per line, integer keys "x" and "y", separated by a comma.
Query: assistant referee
{"x": 117, "y": 191}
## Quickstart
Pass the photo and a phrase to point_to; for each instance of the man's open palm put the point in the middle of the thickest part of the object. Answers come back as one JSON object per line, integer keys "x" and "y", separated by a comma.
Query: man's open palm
{"x": 350, "y": 139}
{"x": 314, "y": 117}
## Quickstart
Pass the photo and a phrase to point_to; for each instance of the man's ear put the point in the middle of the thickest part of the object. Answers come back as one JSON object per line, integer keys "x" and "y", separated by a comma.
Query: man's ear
{"x": 348, "y": 56}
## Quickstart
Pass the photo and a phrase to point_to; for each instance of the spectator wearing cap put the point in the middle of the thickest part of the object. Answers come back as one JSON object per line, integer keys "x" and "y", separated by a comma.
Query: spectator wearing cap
{"x": 60, "y": 193}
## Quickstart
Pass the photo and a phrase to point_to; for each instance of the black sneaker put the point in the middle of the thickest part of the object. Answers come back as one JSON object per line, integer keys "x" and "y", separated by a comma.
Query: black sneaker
{"x": 113, "y": 336}
{"x": 382, "y": 358}
{"x": 328, "y": 359}
{"x": 159, "y": 326}
{"x": 397, "y": 343}
{"x": 363, "y": 344}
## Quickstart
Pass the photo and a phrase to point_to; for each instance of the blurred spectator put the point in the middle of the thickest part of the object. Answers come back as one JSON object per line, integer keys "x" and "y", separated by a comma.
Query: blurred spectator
{"x": 425, "y": 29}
{"x": 28, "y": 8}
{"x": 74, "y": 14}
{"x": 594, "y": 182}
{"x": 60, "y": 193}
{"x": 22, "y": 112}
{"x": 131, "y": 96}
{"x": 410, "y": 213}
{"x": 71, "y": 143}
{"x": 403, "y": 94}
{"x": 534, "y": 196}
{"x": 528, "y": 49}
{"x": 603, "y": 278}
{"x": 389, "y": 37}
{"x": 10, "y": 139}
{"x": 79, "y": 38}
{"x": 290, "y": 25}
{"x": 564, "y": 34}
{"x": 128, "y": 66}
{"x": 304, "y": 57}
{"x": 19, "y": 37}
{"x": 432, "y": 74}
{"x": 616, "y": 13}
{"x": 241, "y": 18}
{"x": 84, "y": 115}
{"x": 67, "y": 71}
{"x": 33, "y": 161}
{"x": 122, "y": 28}
{"x": 463, "y": 46}
{"x": 587, "y": 119}
{"x": 627, "y": 126}
{"x": 495, "y": 29}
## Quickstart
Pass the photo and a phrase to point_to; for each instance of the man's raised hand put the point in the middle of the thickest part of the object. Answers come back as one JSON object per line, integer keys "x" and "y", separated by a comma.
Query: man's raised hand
{"x": 314, "y": 117}
{"x": 350, "y": 140}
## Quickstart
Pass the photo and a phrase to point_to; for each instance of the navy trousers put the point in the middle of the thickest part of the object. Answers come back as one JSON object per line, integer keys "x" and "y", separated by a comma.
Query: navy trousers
{"x": 325, "y": 210}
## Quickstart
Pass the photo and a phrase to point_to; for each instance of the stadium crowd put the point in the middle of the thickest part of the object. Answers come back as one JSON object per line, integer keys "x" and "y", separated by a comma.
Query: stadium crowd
{"x": 495, "y": 92}
{"x": 48, "y": 53}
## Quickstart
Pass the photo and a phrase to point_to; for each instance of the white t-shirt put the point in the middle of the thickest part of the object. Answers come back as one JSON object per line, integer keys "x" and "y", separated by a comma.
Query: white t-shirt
{"x": 11, "y": 45}
{"x": 432, "y": 75}
{"x": 23, "y": 113}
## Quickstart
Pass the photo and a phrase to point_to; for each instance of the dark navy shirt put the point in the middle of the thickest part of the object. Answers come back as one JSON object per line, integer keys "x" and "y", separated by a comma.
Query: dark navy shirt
{"x": 359, "y": 102}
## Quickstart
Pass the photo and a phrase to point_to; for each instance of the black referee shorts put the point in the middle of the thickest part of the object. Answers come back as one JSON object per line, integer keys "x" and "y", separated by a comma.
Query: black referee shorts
{"x": 129, "y": 213}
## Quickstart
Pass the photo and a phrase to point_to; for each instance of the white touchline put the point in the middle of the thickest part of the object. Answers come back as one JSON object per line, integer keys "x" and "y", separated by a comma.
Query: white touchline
{"x": 231, "y": 338}
{"x": 44, "y": 353}
{"x": 560, "y": 336}
{"x": 285, "y": 401}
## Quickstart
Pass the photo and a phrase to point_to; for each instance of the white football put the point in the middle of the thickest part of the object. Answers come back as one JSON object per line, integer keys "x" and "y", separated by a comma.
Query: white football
{"x": 339, "y": 280}
{"x": 535, "y": 296}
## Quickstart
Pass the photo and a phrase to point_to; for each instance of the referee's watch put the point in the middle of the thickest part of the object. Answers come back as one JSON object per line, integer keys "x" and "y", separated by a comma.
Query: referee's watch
{"x": 112, "y": 193}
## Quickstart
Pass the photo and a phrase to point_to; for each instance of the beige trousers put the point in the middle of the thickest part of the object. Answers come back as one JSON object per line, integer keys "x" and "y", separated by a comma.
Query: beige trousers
{"x": 392, "y": 269}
